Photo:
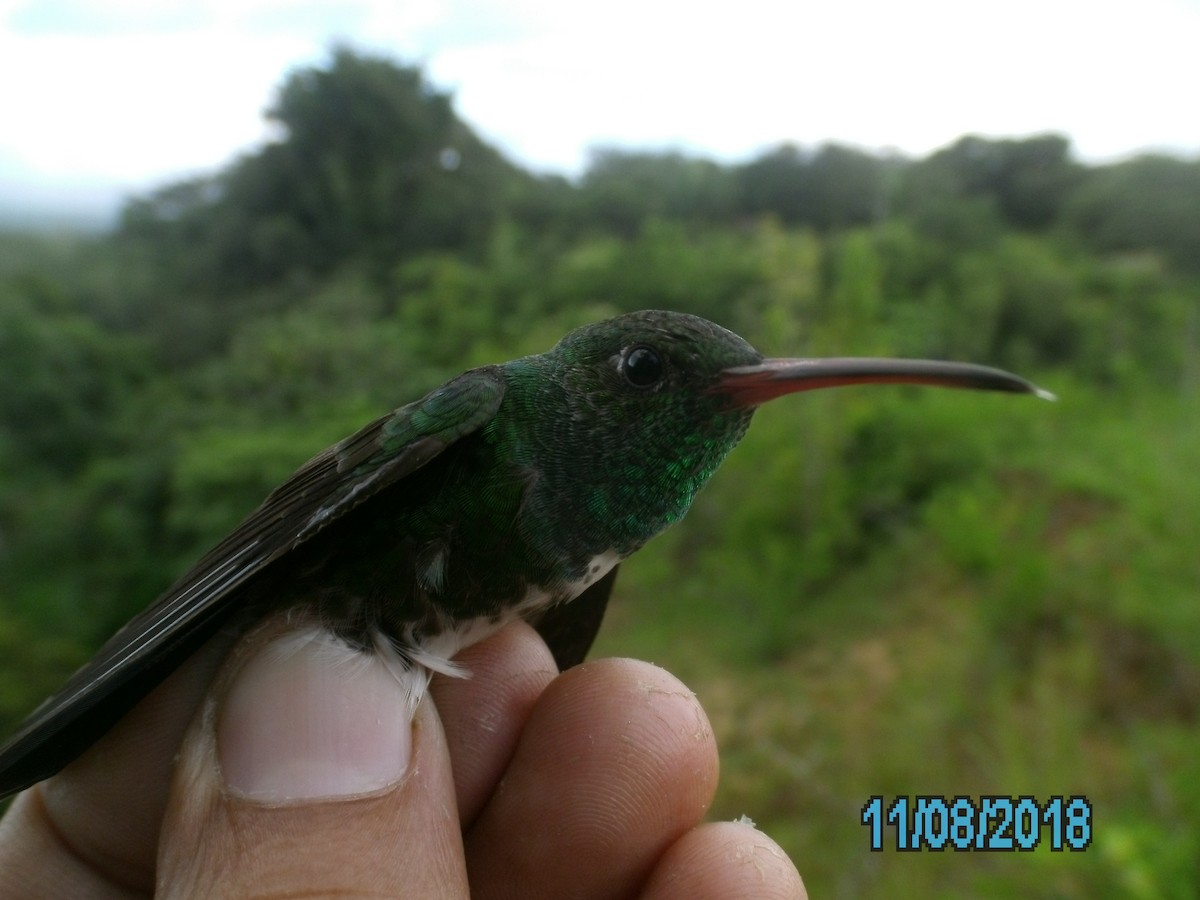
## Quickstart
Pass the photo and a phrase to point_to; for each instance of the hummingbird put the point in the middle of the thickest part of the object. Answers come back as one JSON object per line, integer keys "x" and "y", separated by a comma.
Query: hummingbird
{"x": 511, "y": 491}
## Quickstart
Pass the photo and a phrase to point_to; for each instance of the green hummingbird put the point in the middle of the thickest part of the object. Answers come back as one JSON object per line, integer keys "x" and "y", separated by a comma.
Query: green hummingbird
{"x": 511, "y": 491}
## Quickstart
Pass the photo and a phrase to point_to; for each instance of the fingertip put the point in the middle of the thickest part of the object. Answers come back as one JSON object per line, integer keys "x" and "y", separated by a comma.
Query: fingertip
{"x": 634, "y": 719}
{"x": 616, "y": 762}
{"x": 659, "y": 714}
{"x": 725, "y": 861}
{"x": 483, "y": 715}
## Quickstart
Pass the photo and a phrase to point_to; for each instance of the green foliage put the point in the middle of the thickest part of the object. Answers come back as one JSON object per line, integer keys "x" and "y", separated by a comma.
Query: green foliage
{"x": 834, "y": 187}
{"x": 68, "y": 375}
{"x": 1022, "y": 621}
{"x": 621, "y": 190}
{"x": 1147, "y": 203}
{"x": 1025, "y": 181}
{"x": 883, "y": 591}
{"x": 370, "y": 161}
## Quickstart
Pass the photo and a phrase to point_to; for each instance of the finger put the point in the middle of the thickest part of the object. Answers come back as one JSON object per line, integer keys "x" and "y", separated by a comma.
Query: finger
{"x": 483, "y": 715}
{"x": 123, "y": 778}
{"x": 306, "y": 775}
{"x": 724, "y": 861}
{"x": 617, "y": 761}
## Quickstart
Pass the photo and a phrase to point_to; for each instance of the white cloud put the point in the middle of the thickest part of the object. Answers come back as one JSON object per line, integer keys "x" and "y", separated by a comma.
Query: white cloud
{"x": 913, "y": 75}
{"x": 138, "y": 90}
{"x": 136, "y": 106}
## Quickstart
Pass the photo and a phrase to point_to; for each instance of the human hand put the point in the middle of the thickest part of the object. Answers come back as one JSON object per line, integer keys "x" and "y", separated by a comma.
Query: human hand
{"x": 516, "y": 782}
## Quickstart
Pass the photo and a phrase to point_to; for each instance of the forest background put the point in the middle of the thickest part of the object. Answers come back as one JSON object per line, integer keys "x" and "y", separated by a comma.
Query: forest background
{"x": 885, "y": 591}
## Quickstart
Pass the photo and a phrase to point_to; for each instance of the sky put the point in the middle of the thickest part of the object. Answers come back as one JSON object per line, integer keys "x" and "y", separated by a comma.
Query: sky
{"x": 103, "y": 97}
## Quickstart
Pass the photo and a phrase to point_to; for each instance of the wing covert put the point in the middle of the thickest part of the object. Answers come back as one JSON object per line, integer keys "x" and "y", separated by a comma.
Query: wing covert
{"x": 317, "y": 494}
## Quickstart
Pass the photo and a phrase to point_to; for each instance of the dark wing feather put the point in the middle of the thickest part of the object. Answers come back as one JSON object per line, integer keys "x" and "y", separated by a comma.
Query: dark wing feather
{"x": 145, "y": 650}
{"x": 570, "y": 628}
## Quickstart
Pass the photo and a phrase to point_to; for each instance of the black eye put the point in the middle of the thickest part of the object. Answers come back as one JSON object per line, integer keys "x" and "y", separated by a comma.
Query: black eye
{"x": 642, "y": 367}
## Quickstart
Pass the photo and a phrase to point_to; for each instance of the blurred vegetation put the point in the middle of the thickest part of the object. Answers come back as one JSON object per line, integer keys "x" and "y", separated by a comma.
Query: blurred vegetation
{"x": 884, "y": 591}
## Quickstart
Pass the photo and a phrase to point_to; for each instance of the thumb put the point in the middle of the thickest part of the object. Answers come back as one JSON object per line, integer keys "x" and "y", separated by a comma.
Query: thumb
{"x": 305, "y": 775}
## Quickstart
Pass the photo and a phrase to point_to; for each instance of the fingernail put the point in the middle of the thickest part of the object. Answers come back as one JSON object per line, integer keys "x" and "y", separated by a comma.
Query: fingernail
{"x": 309, "y": 719}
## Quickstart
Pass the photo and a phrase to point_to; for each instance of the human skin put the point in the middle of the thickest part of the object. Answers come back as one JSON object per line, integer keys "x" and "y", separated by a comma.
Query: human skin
{"x": 232, "y": 780}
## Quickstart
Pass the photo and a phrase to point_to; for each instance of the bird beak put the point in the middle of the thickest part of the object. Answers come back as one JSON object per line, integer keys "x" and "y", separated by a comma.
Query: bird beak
{"x": 748, "y": 386}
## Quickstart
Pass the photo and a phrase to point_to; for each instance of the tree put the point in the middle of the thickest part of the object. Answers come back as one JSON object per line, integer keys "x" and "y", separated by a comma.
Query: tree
{"x": 1146, "y": 203}
{"x": 835, "y": 187}
{"x": 621, "y": 189}
{"x": 370, "y": 161}
{"x": 778, "y": 183}
{"x": 1025, "y": 181}
{"x": 65, "y": 380}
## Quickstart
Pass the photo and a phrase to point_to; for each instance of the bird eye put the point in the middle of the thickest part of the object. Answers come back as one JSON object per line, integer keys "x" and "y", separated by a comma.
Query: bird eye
{"x": 642, "y": 367}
